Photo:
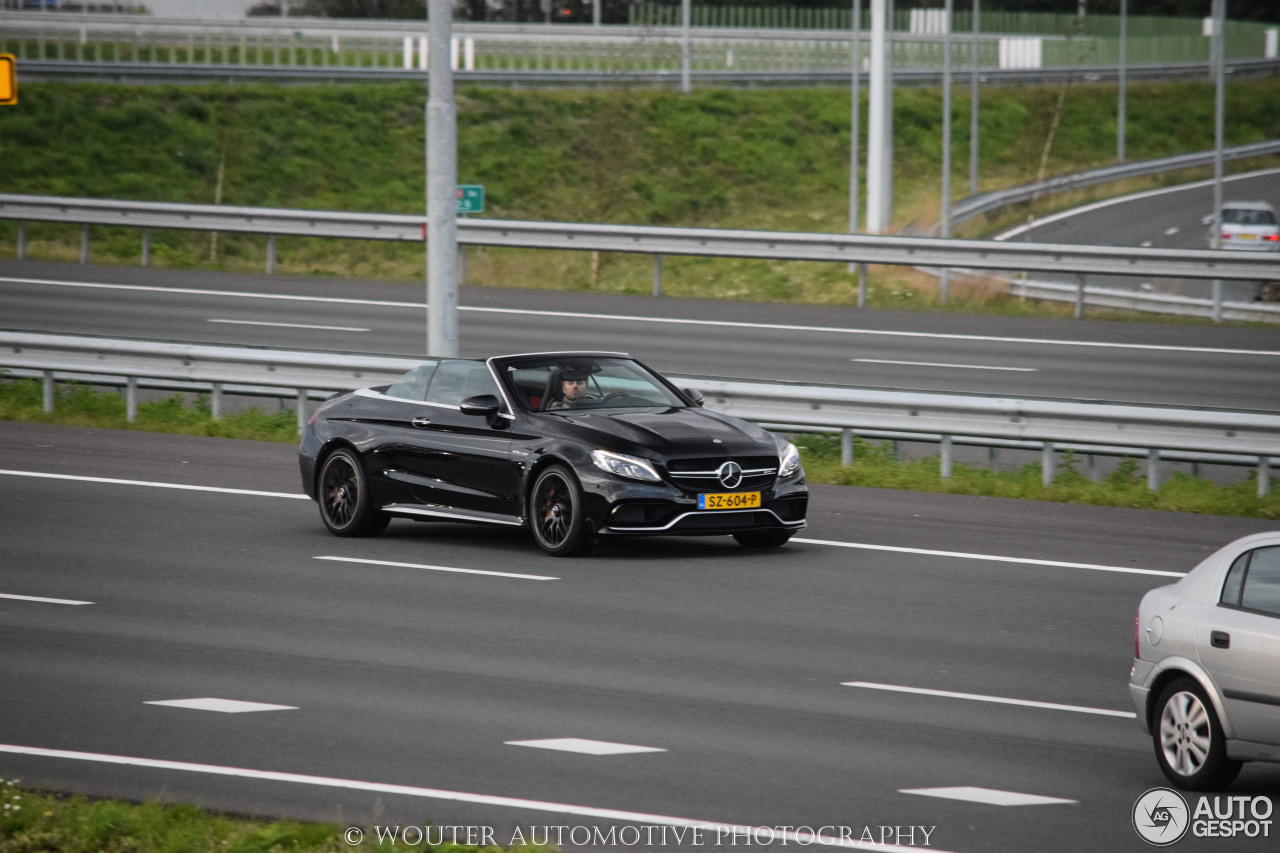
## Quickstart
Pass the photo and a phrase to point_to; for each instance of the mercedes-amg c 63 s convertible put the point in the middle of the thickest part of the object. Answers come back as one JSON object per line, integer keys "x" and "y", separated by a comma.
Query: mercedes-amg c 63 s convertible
{"x": 576, "y": 446}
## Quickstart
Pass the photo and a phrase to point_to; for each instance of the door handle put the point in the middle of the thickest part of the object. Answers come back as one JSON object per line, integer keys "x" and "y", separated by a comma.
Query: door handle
{"x": 421, "y": 422}
{"x": 1220, "y": 639}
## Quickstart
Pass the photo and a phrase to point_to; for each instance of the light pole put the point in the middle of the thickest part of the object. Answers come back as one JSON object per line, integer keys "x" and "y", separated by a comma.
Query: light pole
{"x": 1219, "y": 82}
{"x": 854, "y": 131}
{"x": 973, "y": 108}
{"x": 1120, "y": 107}
{"x": 880, "y": 120}
{"x": 944, "y": 229}
{"x": 442, "y": 187}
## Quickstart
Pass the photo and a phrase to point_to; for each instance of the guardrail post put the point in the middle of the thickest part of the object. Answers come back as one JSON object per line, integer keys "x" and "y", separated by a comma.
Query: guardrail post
{"x": 1080, "y": 296}
{"x": 215, "y": 401}
{"x": 1153, "y": 469}
{"x": 131, "y": 399}
{"x": 1047, "y": 464}
{"x": 84, "y": 244}
{"x": 271, "y": 254}
{"x": 302, "y": 410}
{"x": 1095, "y": 471}
{"x": 1264, "y": 476}
{"x": 944, "y": 458}
{"x": 47, "y": 391}
{"x": 993, "y": 458}
{"x": 1217, "y": 300}
{"x": 846, "y": 447}
{"x": 657, "y": 275}
{"x": 146, "y": 247}
{"x": 22, "y": 241}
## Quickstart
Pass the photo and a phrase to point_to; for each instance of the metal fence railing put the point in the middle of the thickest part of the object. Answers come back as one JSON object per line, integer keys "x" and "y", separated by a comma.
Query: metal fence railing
{"x": 1156, "y": 432}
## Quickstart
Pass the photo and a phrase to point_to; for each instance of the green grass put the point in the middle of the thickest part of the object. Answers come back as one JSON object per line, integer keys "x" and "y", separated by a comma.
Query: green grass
{"x": 39, "y": 822}
{"x": 769, "y": 159}
{"x": 874, "y": 462}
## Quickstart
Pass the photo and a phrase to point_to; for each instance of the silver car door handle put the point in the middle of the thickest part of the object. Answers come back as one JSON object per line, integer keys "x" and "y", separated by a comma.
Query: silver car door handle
{"x": 1220, "y": 639}
{"x": 421, "y": 422}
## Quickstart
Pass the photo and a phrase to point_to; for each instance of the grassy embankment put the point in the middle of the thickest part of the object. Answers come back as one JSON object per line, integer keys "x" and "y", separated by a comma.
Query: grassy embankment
{"x": 769, "y": 159}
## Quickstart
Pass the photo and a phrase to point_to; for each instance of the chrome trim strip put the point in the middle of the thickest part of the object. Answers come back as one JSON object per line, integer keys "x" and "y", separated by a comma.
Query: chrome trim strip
{"x": 796, "y": 525}
{"x": 703, "y": 475}
{"x": 455, "y": 514}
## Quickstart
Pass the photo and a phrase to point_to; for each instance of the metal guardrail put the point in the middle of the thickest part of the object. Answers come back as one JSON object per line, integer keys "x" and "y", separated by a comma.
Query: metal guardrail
{"x": 653, "y": 240}
{"x": 947, "y": 418}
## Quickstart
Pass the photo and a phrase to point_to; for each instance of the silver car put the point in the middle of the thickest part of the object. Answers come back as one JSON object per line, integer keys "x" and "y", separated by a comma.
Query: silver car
{"x": 1247, "y": 226}
{"x": 1206, "y": 670}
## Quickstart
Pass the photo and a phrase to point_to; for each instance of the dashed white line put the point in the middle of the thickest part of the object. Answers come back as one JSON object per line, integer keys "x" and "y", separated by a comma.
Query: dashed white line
{"x": 988, "y": 796}
{"x": 392, "y": 563}
{"x": 944, "y": 364}
{"x": 999, "y": 700}
{"x": 728, "y": 830}
{"x": 291, "y": 325}
{"x": 41, "y": 600}
{"x": 584, "y": 746}
{"x": 222, "y": 706}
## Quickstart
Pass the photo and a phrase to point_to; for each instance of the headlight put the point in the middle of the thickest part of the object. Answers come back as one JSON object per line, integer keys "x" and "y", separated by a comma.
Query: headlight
{"x": 790, "y": 463}
{"x": 631, "y": 467}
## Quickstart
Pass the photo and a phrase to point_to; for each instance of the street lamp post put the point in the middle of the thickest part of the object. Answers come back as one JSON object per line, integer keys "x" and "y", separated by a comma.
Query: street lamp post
{"x": 442, "y": 187}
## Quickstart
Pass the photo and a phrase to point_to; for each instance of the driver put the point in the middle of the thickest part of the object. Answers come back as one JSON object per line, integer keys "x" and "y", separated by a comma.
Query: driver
{"x": 573, "y": 389}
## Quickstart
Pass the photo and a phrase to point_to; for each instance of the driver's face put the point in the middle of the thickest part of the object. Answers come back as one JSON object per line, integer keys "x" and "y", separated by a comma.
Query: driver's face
{"x": 574, "y": 388}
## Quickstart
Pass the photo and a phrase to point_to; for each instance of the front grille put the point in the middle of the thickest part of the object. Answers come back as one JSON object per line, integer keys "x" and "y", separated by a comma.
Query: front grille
{"x": 701, "y": 474}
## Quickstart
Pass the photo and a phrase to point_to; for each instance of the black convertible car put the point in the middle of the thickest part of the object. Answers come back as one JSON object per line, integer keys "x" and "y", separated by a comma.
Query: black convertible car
{"x": 576, "y": 445}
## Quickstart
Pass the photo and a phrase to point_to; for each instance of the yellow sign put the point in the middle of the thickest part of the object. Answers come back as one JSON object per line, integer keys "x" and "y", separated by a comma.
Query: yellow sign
{"x": 8, "y": 79}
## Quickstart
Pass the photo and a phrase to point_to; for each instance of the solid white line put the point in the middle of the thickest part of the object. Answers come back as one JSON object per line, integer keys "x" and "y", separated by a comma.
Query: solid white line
{"x": 41, "y": 600}
{"x": 988, "y": 796}
{"x": 440, "y": 568}
{"x": 999, "y": 700}
{"x": 944, "y": 364}
{"x": 729, "y": 830}
{"x": 860, "y": 545}
{"x": 584, "y": 746}
{"x": 625, "y": 318}
{"x": 115, "y": 482}
{"x": 991, "y": 558}
{"x": 290, "y": 325}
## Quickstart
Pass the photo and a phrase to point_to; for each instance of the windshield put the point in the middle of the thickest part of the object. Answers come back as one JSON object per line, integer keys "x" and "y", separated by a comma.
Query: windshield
{"x": 565, "y": 383}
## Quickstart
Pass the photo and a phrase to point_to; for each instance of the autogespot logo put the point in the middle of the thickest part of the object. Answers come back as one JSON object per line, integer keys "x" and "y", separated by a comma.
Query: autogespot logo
{"x": 1161, "y": 817}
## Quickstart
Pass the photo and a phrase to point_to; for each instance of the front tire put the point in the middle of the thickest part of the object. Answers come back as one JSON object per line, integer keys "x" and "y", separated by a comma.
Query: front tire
{"x": 346, "y": 507}
{"x": 1190, "y": 748}
{"x": 557, "y": 514}
{"x": 763, "y": 538}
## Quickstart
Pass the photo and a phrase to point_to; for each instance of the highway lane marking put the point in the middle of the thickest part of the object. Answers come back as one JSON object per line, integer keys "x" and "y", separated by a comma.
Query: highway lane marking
{"x": 222, "y": 706}
{"x": 988, "y": 796}
{"x": 825, "y": 542}
{"x": 117, "y": 482}
{"x": 998, "y": 700}
{"x": 944, "y": 364}
{"x": 42, "y": 600}
{"x": 290, "y": 325}
{"x": 729, "y": 830}
{"x": 626, "y": 318}
{"x": 962, "y": 555}
{"x": 515, "y": 575}
{"x": 584, "y": 746}
{"x": 1169, "y": 232}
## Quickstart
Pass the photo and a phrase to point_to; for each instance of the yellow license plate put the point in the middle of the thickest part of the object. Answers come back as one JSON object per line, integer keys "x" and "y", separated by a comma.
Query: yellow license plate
{"x": 729, "y": 500}
{"x": 1246, "y": 236}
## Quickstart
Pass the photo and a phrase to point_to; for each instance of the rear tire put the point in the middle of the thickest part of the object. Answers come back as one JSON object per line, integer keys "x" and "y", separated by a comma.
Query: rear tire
{"x": 346, "y": 507}
{"x": 763, "y": 538}
{"x": 1190, "y": 748}
{"x": 557, "y": 514}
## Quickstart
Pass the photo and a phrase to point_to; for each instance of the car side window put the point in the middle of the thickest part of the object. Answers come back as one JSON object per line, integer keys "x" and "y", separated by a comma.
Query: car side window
{"x": 413, "y": 385}
{"x": 455, "y": 381}
{"x": 1261, "y": 590}
{"x": 1235, "y": 579}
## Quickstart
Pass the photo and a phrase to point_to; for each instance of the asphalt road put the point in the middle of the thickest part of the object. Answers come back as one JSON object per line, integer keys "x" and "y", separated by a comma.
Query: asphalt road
{"x": 1192, "y": 366}
{"x": 1165, "y": 218}
{"x": 210, "y": 578}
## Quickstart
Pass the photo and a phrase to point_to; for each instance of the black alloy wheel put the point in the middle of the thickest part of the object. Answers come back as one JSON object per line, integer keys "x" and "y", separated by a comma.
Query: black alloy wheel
{"x": 556, "y": 514}
{"x": 1190, "y": 748}
{"x": 343, "y": 493}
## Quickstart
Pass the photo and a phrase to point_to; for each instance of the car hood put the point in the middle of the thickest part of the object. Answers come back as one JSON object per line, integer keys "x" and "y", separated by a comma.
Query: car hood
{"x": 669, "y": 432}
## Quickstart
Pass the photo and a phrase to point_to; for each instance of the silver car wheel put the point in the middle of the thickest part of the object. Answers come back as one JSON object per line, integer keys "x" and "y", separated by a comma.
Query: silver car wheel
{"x": 1186, "y": 733}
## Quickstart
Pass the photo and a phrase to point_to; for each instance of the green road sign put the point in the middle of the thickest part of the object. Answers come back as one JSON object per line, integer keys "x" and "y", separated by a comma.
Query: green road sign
{"x": 471, "y": 198}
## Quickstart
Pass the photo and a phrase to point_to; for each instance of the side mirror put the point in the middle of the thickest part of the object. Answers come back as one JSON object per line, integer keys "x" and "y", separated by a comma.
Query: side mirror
{"x": 1207, "y": 221}
{"x": 693, "y": 395}
{"x": 482, "y": 406}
